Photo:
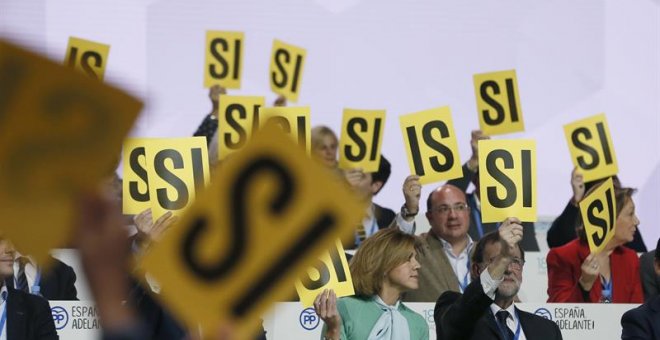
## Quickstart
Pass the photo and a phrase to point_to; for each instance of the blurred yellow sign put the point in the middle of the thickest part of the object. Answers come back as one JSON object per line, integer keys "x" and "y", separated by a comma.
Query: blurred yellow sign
{"x": 498, "y": 103}
{"x": 592, "y": 151}
{"x": 238, "y": 118}
{"x": 361, "y": 139}
{"x": 330, "y": 272}
{"x": 431, "y": 145}
{"x": 599, "y": 216}
{"x": 87, "y": 56}
{"x": 294, "y": 121}
{"x": 60, "y": 135}
{"x": 224, "y": 59}
{"x": 507, "y": 179}
{"x": 286, "y": 69}
{"x": 247, "y": 238}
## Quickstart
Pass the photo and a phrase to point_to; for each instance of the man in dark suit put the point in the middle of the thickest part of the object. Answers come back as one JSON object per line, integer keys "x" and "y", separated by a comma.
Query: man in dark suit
{"x": 28, "y": 316}
{"x": 643, "y": 322}
{"x": 650, "y": 278}
{"x": 486, "y": 310}
{"x": 58, "y": 283}
{"x": 471, "y": 175}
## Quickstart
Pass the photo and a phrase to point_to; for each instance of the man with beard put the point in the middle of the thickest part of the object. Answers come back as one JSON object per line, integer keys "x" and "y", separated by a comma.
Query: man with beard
{"x": 486, "y": 310}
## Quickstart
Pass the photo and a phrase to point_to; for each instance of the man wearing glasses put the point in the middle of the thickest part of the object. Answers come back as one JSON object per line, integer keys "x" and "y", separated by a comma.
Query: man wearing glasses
{"x": 444, "y": 252}
{"x": 486, "y": 310}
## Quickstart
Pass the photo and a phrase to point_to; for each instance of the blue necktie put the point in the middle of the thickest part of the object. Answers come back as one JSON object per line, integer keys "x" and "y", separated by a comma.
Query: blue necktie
{"x": 21, "y": 279}
{"x": 501, "y": 317}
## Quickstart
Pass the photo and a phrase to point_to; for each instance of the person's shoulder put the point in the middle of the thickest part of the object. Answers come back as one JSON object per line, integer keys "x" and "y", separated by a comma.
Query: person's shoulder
{"x": 538, "y": 321}
{"x": 28, "y": 300}
{"x": 627, "y": 252}
{"x": 411, "y": 315}
{"x": 569, "y": 248}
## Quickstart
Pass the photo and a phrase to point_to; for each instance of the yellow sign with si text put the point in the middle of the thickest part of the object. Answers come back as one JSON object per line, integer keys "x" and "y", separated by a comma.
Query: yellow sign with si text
{"x": 286, "y": 69}
{"x": 598, "y": 211}
{"x": 361, "y": 139}
{"x": 498, "y": 103}
{"x": 224, "y": 59}
{"x": 330, "y": 272}
{"x": 60, "y": 135}
{"x": 507, "y": 180}
{"x": 592, "y": 151}
{"x": 294, "y": 121}
{"x": 431, "y": 145}
{"x": 247, "y": 238}
{"x": 177, "y": 168}
{"x": 87, "y": 56}
{"x": 238, "y": 118}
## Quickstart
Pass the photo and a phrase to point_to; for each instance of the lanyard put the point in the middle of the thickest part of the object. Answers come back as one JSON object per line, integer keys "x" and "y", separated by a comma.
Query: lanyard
{"x": 36, "y": 289}
{"x": 516, "y": 336}
{"x": 476, "y": 214}
{"x": 464, "y": 284}
{"x": 606, "y": 289}
{"x": 3, "y": 320}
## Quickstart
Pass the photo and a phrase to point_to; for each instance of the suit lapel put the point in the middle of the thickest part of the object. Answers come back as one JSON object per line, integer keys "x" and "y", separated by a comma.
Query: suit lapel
{"x": 492, "y": 325}
{"x": 447, "y": 274}
{"x": 15, "y": 315}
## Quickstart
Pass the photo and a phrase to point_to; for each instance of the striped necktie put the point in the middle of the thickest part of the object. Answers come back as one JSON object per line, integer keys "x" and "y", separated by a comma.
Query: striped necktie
{"x": 21, "y": 279}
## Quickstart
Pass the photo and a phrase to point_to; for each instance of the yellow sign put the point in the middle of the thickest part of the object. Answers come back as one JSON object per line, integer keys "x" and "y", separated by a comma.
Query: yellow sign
{"x": 256, "y": 229}
{"x": 286, "y": 69}
{"x": 361, "y": 139}
{"x": 294, "y": 121}
{"x": 498, "y": 103}
{"x": 238, "y": 117}
{"x": 507, "y": 179}
{"x": 599, "y": 216}
{"x": 87, "y": 56}
{"x": 330, "y": 272}
{"x": 590, "y": 143}
{"x": 224, "y": 59}
{"x": 135, "y": 183}
{"x": 431, "y": 145}
{"x": 60, "y": 135}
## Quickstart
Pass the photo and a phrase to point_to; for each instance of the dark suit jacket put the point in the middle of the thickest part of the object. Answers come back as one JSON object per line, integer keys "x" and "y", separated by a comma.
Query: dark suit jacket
{"x": 562, "y": 230}
{"x": 564, "y": 272}
{"x": 384, "y": 216}
{"x": 466, "y": 316}
{"x": 650, "y": 280}
{"x": 59, "y": 283}
{"x": 28, "y": 317}
{"x": 643, "y": 322}
{"x": 528, "y": 242}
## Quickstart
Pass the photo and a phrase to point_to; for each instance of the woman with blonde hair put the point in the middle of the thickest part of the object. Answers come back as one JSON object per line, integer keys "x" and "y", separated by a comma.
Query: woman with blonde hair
{"x": 383, "y": 267}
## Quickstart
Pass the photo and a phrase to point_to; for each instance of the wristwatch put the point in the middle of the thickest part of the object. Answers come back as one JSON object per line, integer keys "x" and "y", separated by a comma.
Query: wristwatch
{"x": 406, "y": 213}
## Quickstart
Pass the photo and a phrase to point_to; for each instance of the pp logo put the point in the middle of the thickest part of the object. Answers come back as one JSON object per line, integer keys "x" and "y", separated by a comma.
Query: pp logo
{"x": 544, "y": 313}
{"x": 308, "y": 319}
{"x": 60, "y": 316}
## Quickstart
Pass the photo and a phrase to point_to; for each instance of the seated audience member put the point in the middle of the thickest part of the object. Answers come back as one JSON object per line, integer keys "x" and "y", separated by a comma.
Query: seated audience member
{"x": 209, "y": 125}
{"x": 444, "y": 252}
{"x": 58, "y": 283}
{"x": 383, "y": 267}
{"x": 27, "y": 316}
{"x": 650, "y": 278}
{"x": 471, "y": 175}
{"x": 576, "y": 275}
{"x": 563, "y": 228}
{"x": 324, "y": 146}
{"x": 486, "y": 309}
{"x": 643, "y": 322}
{"x": 366, "y": 186}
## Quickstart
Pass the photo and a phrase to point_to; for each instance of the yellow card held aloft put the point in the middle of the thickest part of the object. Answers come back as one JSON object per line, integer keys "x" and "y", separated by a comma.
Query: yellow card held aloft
{"x": 431, "y": 145}
{"x": 361, "y": 139}
{"x": 60, "y": 135}
{"x": 224, "y": 59}
{"x": 507, "y": 179}
{"x": 294, "y": 121}
{"x": 286, "y": 69}
{"x": 254, "y": 231}
{"x": 598, "y": 212}
{"x": 330, "y": 272}
{"x": 238, "y": 118}
{"x": 592, "y": 151}
{"x": 177, "y": 169}
{"x": 135, "y": 182}
{"x": 498, "y": 103}
{"x": 87, "y": 56}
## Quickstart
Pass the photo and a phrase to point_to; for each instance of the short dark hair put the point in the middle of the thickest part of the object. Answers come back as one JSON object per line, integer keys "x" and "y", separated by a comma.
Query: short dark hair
{"x": 491, "y": 237}
{"x": 657, "y": 252}
{"x": 383, "y": 173}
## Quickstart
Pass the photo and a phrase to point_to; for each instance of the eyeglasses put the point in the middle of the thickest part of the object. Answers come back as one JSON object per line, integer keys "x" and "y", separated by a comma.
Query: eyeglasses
{"x": 457, "y": 208}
